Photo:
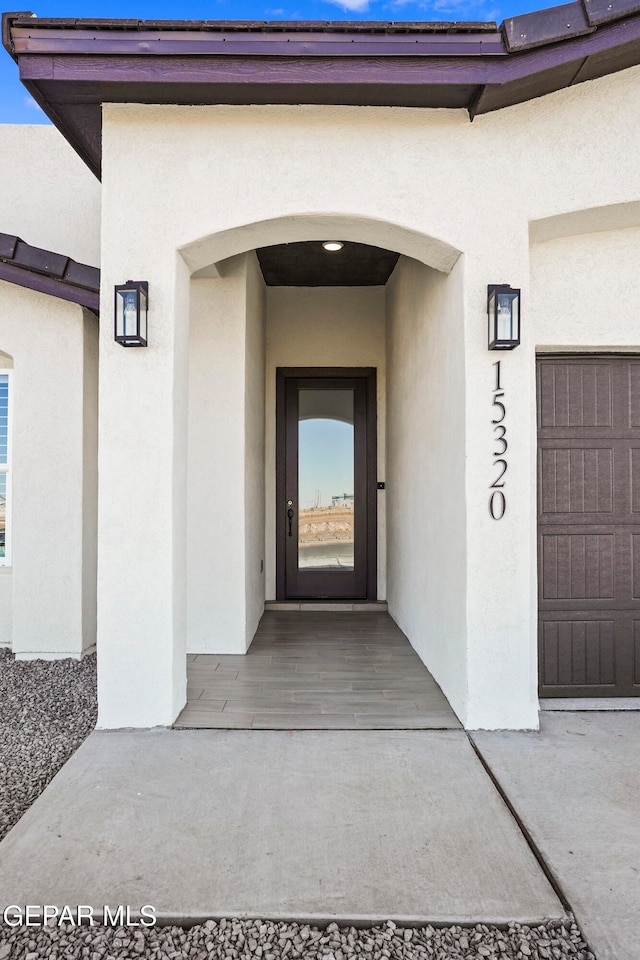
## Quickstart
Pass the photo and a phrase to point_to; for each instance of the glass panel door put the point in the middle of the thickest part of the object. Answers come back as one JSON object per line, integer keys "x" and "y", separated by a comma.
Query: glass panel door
{"x": 326, "y": 489}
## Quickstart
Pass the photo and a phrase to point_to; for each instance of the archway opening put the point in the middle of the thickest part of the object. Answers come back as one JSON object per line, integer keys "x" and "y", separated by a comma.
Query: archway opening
{"x": 289, "y": 304}
{"x": 207, "y": 256}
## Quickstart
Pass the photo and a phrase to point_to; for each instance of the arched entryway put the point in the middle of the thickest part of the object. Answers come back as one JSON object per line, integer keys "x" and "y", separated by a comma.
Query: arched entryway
{"x": 260, "y": 313}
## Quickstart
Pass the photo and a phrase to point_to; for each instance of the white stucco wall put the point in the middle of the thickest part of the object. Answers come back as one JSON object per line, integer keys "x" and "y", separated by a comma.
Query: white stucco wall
{"x": 89, "y": 479}
{"x": 6, "y": 583}
{"x": 323, "y": 327}
{"x": 215, "y": 543}
{"x": 142, "y": 493}
{"x": 57, "y": 204}
{"x": 254, "y": 453}
{"x": 443, "y": 187}
{"x": 426, "y": 499}
{"x": 6, "y": 607}
{"x": 225, "y": 583}
{"x": 501, "y": 597}
{"x": 54, "y": 440}
{"x": 50, "y": 589}
{"x": 585, "y": 291}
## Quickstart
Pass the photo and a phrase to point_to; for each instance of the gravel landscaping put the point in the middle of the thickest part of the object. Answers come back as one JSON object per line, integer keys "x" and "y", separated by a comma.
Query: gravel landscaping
{"x": 237, "y": 940}
{"x": 47, "y": 708}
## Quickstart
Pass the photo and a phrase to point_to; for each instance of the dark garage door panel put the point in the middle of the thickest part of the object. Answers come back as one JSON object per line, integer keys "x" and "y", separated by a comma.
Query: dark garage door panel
{"x": 589, "y": 526}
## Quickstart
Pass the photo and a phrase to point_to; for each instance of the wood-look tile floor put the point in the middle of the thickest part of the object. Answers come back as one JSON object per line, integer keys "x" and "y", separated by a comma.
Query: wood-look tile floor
{"x": 315, "y": 671}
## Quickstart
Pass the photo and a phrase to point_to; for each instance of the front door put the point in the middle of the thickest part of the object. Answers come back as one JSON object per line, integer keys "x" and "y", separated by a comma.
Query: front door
{"x": 326, "y": 484}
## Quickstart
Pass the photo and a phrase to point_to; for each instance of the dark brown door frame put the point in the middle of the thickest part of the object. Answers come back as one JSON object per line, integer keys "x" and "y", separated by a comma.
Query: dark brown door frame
{"x": 329, "y": 373}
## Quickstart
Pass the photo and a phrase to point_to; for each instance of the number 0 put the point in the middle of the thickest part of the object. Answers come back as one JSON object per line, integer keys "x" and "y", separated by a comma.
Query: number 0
{"x": 497, "y": 504}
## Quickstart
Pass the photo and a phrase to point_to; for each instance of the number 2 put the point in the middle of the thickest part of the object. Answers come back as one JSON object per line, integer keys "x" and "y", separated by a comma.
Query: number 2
{"x": 496, "y": 483}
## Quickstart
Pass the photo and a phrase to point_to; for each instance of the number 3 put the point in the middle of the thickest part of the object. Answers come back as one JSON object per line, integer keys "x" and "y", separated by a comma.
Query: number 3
{"x": 501, "y": 439}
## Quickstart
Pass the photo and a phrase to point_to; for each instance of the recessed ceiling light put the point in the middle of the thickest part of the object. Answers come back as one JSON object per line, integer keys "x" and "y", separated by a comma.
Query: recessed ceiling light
{"x": 332, "y": 245}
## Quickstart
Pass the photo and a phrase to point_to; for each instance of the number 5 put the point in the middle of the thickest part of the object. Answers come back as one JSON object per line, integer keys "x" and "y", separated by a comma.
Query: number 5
{"x": 497, "y": 403}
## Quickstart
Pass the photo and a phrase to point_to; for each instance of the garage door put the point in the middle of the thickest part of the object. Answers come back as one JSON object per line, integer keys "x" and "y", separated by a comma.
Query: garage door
{"x": 589, "y": 526}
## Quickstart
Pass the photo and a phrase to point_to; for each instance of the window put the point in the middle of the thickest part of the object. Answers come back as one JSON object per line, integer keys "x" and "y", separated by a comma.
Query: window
{"x": 5, "y": 471}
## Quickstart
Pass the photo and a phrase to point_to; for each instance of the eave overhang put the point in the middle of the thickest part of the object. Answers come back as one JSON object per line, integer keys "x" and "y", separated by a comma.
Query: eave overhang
{"x": 71, "y": 67}
{"x": 47, "y": 272}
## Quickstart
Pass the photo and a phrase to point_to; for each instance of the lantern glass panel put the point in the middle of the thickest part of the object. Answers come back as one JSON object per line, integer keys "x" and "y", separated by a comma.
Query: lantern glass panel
{"x": 143, "y": 315}
{"x": 127, "y": 313}
{"x": 130, "y": 301}
{"x": 515, "y": 313}
{"x": 504, "y": 317}
{"x": 119, "y": 315}
{"x": 491, "y": 313}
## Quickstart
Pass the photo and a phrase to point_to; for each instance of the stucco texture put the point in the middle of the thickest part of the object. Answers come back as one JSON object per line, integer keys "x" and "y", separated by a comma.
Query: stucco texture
{"x": 57, "y": 205}
{"x": 425, "y": 469}
{"x": 225, "y": 527}
{"x": 48, "y": 594}
{"x": 584, "y": 290}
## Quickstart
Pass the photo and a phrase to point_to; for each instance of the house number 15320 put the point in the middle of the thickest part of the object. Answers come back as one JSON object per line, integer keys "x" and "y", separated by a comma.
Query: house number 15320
{"x": 497, "y": 498}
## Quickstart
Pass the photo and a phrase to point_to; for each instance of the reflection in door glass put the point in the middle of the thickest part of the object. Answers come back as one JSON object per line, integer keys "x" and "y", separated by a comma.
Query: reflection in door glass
{"x": 325, "y": 480}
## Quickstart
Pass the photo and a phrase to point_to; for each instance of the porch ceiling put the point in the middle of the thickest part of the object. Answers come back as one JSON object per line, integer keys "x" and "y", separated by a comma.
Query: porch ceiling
{"x": 308, "y": 264}
{"x": 71, "y": 67}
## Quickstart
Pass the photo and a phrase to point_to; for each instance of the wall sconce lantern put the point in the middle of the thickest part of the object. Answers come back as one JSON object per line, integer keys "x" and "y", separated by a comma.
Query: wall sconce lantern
{"x": 132, "y": 302}
{"x": 503, "y": 309}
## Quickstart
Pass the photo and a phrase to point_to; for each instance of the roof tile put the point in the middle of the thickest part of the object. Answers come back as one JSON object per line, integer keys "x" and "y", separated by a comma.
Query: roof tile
{"x": 603, "y": 11}
{"x": 7, "y": 246}
{"x": 39, "y": 260}
{"x": 255, "y": 26}
{"x": 546, "y": 26}
{"x": 82, "y": 275}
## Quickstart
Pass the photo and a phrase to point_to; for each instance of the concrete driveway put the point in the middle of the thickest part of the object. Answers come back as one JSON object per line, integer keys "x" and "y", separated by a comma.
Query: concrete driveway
{"x": 575, "y": 785}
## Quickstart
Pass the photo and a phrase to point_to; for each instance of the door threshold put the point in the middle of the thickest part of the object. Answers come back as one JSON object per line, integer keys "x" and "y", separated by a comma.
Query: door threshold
{"x": 328, "y": 606}
{"x": 589, "y": 704}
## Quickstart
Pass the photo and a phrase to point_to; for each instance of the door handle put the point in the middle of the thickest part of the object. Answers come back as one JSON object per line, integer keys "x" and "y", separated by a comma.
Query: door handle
{"x": 290, "y": 515}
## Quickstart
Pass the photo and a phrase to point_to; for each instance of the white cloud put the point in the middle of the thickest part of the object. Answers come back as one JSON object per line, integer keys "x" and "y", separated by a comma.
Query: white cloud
{"x": 451, "y": 9}
{"x": 356, "y": 6}
{"x": 30, "y": 103}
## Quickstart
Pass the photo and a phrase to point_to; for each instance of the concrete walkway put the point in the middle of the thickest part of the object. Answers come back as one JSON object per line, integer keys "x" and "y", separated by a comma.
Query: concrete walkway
{"x": 576, "y": 787}
{"x": 358, "y": 826}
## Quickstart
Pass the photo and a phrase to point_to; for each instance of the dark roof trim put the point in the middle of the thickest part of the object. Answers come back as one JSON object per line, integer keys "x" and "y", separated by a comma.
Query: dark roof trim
{"x": 49, "y": 272}
{"x": 71, "y": 67}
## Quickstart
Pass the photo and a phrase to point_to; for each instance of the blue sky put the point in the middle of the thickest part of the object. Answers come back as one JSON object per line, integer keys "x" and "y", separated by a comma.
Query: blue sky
{"x": 17, "y": 107}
